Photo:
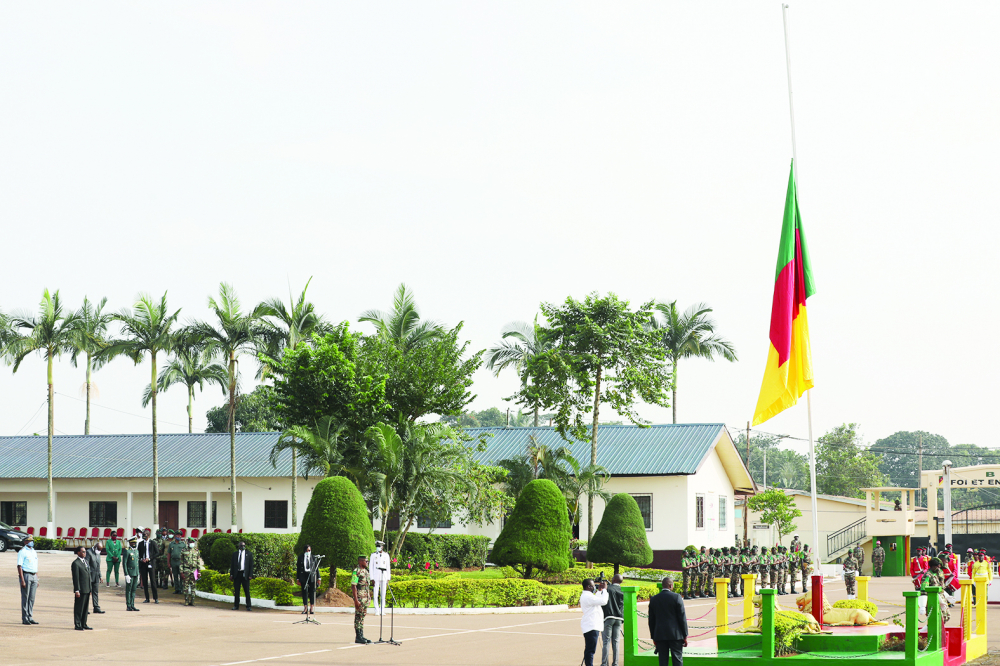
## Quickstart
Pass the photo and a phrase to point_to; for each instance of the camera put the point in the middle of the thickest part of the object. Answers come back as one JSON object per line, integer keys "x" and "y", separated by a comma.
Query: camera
{"x": 600, "y": 578}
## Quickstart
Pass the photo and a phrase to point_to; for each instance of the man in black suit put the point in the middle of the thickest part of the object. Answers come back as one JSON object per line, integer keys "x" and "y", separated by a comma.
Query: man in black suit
{"x": 82, "y": 586}
{"x": 303, "y": 571}
{"x": 147, "y": 566}
{"x": 241, "y": 573}
{"x": 668, "y": 624}
{"x": 94, "y": 564}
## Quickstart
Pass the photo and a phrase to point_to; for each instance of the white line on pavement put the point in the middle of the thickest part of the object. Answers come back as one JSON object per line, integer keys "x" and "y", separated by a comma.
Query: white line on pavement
{"x": 469, "y": 631}
{"x": 250, "y": 661}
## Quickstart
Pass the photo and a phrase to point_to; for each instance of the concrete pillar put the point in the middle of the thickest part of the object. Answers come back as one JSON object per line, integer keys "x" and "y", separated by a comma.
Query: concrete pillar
{"x": 208, "y": 512}
{"x": 966, "y": 602}
{"x": 981, "y": 605}
{"x": 721, "y": 605}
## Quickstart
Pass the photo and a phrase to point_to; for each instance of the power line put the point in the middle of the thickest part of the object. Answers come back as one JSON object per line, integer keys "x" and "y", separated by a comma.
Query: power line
{"x": 138, "y": 416}
{"x": 32, "y": 417}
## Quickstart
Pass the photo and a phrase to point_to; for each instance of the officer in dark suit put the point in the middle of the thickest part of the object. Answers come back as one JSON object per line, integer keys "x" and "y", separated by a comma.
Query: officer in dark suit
{"x": 147, "y": 567}
{"x": 82, "y": 586}
{"x": 668, "y": 624}
{"x": 94, "y": 564}
{"x": 303, "y": 574}
{"x": 241, "y": 573}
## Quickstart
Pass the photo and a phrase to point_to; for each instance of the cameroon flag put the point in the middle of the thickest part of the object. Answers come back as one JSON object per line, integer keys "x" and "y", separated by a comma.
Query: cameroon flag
{"x": 789, "y": 371}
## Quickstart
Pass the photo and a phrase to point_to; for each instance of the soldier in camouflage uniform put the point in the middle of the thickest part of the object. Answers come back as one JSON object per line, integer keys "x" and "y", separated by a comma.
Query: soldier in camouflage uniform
{"x": 794, "y": 567}
{"x": 702, "y": 572}
{"x": 764, "y": 568}
{"x": 934, "y": 578}
{"x": 686, "y": 574}
{"x": 189, "y": 565}
{"x": 360, "y": 581}
{"x": 859, "y": 555}
{"x": 743, "y": 568}
{"x": 805, "y": 565}
{"x": 162, "y": 570}
{"x": 727, "y": 564}
{"x": 878, "y": 560}
{"x": 785, "y": 565}
{"x": 174, "y": 554}
{"x": 850, "y": 571}
{"x": 752, "y": 568}
{"x": 734, "y": 571}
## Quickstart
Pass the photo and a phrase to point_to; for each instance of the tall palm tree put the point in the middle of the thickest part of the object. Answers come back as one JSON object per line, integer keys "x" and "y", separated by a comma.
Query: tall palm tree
{"x": 91, "y": 337}
{"x": 584, "y": 481}
{"x": 519, "y": 343}
{"x": 288, "y": 327}
{"x": 146, "y": 329}
{"x": 51, "y": 332}
{"x": 688, "y": 335}
{"x": 236, "y": 332}
{"x": 402, "y": 324}
{"x": 390, "y": 465}
{"x": 191, "y": 367}
{"x": 318, "y": 444}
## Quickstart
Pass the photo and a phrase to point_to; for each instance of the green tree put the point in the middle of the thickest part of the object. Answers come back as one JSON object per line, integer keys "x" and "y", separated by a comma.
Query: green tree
{"x": 785, "y": 468}
{"x": 190, "y": 367}
{"x": 49, "y": 333}
{"x": 403, "y": 325}
{"x": 91, "y": 337}
{"x": 584, "y": 481}
{"x": 520, "y": 342}
{"x": 602, "y": 352}
{"x": 776, "y": 509}
{"x": 336, "y": 525}
{"x": 319, "y": 446}
{"x": 536, "y": 536}
{"x": 688, "y": 335}
{"x": 903, "y": 453}
{"x": 843, "y": 465}
{"x": 255, "y": 412}
{"x": 235, "y": 333}
{"x": 146, "y": 329}
{"x": 389, "y": 469}
{"x": 621, "y": 536}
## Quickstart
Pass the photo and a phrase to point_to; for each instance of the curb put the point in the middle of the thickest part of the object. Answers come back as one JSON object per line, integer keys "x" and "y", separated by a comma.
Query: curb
{"x": 509, "y": 610}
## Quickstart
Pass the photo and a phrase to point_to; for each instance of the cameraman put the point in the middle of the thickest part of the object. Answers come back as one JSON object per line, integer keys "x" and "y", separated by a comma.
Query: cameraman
{"x": 591, "y": 601}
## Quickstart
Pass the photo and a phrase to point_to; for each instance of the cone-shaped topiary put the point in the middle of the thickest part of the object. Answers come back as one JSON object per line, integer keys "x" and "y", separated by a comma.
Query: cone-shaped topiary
{"x": 336, "y": 524}
{"x": 621, "y": 536}
{"x": 537, "y": 533}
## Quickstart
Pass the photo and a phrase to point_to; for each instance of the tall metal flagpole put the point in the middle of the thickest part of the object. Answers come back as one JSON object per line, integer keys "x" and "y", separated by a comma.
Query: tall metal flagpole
{"x": 795, "y": 172}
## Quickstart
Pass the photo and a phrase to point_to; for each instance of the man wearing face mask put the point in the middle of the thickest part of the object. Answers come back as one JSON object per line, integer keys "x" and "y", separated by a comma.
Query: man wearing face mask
{"x": 27, "y": 574}
{"x": 378, "y": 565}
{"x": 113, "y": 556}
{"x": 241, "y": 573}
{"x": 175, "y": 552}
{"x": 130, "y": 567}
{"x": 308, "y": 584}
{"x": 93, "y": 558}
{"x": 189, "y": 567}
{"x": 591, "y": 601}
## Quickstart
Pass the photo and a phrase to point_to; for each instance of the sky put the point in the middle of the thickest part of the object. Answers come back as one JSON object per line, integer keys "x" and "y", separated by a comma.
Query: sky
{"x": 494, "y": 156}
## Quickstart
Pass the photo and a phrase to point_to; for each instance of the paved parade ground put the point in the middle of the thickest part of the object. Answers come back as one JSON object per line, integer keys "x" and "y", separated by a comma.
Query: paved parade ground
{"x": 211, "y": 634}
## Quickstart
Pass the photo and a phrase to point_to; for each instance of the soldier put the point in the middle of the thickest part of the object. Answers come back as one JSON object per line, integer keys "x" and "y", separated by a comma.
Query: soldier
{"x": 113, "y": 551}
{"x": 859, "y": 555}
{"x": 765, "y": 568}
{"x": 796, "y": 544}
{"x": 162, "y": 568}
{"x": 933, "y": 578}
{"x": 728, "y": 563}
{"x": 752, "y": 568}
{"x": 734, "y": 571}
{"x": 744, "y": 569}
{"x": 805, "y": 564}
{"x": 782, "y": 570}
{"x": 189, "y": 565}
{"x": 702, "y": 572}
{"x": 878, "y": 559}
{"x": 709, "y": 573}
{"x": 174, "y": 555}
{"x": 359, "y": 589}
{"x": 850, "y": 571}
{"x": 686, "y": 573}
{"x": 794, "y": 569}
{"x": 130, "y": 567}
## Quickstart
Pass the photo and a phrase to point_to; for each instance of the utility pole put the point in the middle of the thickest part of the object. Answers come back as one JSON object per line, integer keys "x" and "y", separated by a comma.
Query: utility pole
{"x": 920, "y": 466}
{"x": 746, "y": 503}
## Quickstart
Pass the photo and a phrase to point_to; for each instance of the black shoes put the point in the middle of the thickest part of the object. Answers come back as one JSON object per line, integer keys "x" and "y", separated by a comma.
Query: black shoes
{"x": 98, "y": 611}
{"x": 360, "y": 638}
{"x": 156, "y": 601}
{"x": 88, "y": 628}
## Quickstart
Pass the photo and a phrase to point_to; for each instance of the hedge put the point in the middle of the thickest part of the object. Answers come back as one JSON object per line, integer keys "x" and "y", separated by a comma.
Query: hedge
{"x": 45, "y": 543}
{"x": 857, "y": 603}
{"x": 654, "y": 575}
{"x": 456, "y": 551}
{"x": 273, "y": 555}
{"x": 336, "y": 523}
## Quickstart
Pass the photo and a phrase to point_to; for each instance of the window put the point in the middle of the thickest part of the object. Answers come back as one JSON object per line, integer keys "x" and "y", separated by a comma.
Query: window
{"x": 104, "y": 514}
{"x": 276, "y": 514}
{"x": 196, "y": 514}
{"x": 645, "y": 503}
{"x": 14, "y": 514}
{"x": 699, "y": 511}
{"x": 424, "y": 523}
{"x": 723, "y": 512}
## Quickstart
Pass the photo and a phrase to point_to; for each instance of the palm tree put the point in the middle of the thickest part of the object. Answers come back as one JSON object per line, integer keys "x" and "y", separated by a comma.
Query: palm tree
{"x": 318, "y": 444}
{"x": 689, "y": 335}
{"x": 390, "y": 466}
{"x": 584, "y": 482}
{"x": 402, "y": 324}
{"x": 519, "y": 343}
{"x": 91, "y": 338}
{"x": 190, "y": 367}
{"x": 145, "y": 329}
{"x": 288, "y": 327}
{"x": 235, "y": 333}
{"x": 50, "y": 333}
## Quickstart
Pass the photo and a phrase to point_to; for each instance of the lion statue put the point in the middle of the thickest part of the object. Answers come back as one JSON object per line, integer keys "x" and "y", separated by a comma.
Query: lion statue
{"x": 808, "y": 622}
{"x": 837, "y": 617}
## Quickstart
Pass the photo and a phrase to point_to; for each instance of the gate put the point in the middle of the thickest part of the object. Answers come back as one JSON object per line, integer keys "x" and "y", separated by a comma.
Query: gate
{"x": 975, "y": 527}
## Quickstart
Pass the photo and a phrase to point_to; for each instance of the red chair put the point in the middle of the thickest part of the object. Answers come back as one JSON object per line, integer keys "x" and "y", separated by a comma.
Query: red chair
{"x": 59, "y": 533}
{"x": 107, "y": 532}
{"x": 84, "y": 541}
{"x": 71, "y": 536}
{"x": 217, "y": 530}
{"x": 121, "y": 532}
{"x": 31, "y": 531}
{"x": 229, "y": 531}
{"x": 195, "y": 533}
{"x": 241, "y": 531}
{"x": 42, "y": 531}
{"x": 183, "y": 532}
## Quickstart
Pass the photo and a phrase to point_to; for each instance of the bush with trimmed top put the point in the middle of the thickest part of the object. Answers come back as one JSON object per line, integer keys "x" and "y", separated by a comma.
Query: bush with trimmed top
{"x": 537, "y": 533}
{"x": 621, "y": 537}
{"x": 336, "y": 524}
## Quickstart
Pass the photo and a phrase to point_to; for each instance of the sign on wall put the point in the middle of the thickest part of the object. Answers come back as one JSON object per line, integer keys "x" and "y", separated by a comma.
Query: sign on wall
{"x": 761, "y": 526}
{"x": 980, "y": 476}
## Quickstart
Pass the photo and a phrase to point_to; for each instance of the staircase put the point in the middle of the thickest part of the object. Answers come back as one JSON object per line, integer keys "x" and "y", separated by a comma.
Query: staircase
{"x": 841, "y": 541}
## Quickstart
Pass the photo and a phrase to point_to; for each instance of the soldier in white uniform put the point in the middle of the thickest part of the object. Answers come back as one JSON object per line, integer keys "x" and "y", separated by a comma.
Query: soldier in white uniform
{"x": 380, "y": 579}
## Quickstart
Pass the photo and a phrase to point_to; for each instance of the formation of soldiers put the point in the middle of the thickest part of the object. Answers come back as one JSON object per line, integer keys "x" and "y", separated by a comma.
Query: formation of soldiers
{"x": 775, "y": 568}
{"x": 177, "y": 562}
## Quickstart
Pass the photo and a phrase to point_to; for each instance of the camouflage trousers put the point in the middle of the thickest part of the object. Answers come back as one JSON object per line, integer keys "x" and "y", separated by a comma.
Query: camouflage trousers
{"x": 850, "y": 583}
{"x": 685, "y": 583}
{"x": 877, "y": 568}
{"x": 188, "y": 580}
{"x": 734, "y": 581}
{"x": 359, "y": 615}
{"x": 782, "y": 579}
{"x": 805, "y": 579}
{"x": 794, "y": 575}
{"x": 162, "y": 574}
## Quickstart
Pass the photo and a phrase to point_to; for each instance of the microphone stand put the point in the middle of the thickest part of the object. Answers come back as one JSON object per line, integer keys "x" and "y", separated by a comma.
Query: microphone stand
{"x": 392, "y": 613}
{"x": 313, "y": 572}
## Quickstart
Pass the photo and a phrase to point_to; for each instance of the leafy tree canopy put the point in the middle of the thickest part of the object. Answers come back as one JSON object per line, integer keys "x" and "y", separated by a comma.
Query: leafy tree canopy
{"x": 254, "y": 413}
{"x": 621, "y": 536}
{"x": 537, "y": 533}
{"x": 843, "y": 465}
{"x": 777, "y": 509}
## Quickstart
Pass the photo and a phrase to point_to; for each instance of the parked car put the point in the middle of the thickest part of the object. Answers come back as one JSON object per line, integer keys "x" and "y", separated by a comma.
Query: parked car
{"x": 11, "y": 537}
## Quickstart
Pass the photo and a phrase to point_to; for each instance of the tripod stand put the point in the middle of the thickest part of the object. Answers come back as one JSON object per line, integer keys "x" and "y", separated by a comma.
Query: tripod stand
{"x": 311, "y": 584}
{"x": 392, "y": 614}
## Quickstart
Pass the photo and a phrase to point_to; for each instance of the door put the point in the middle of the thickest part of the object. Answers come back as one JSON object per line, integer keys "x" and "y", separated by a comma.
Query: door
{"x": 168, "y": 514}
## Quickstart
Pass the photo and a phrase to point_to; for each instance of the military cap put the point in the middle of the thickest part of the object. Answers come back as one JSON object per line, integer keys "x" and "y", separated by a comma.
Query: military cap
{"x": 191, "y": 538}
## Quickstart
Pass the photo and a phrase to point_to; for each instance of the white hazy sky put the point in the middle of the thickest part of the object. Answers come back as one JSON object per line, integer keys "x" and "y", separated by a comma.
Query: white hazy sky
{"x": 495, "y": 155}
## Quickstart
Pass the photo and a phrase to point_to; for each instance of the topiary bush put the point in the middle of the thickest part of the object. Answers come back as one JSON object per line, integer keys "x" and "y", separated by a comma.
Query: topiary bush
{"x": 537, "y": 533}
{"x": 621, "y": 536}
{"x": 857, "y": 603}
{"x": 273, "y": 554}
{"x": 788, "y": 626}
{"x": 220, "y": 557}
{"x": 45, "y": 543}
{"x": 336, "y": 524}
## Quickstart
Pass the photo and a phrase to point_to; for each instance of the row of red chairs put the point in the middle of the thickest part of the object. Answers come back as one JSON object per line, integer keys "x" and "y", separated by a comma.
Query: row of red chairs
{"x": 73, "y": 539}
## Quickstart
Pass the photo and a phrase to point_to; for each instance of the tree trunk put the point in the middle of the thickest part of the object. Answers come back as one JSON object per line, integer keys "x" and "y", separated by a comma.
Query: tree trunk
{"x": 86, "y": 424}
{"x": 156, "y": 459}
{"x": 190, "y": 409}
{"x": 527, "y": 571}
{"x": 232, "y": 439}
{"x": 402, "y": 537}
{"x": 616, "y": 568}
{"x": 673, "y": 399}
{"x": 295, "y": 510}
{"x": 593, "y": 457}
{"x": 52, "y": 427}
{"x": 536, "y": 417}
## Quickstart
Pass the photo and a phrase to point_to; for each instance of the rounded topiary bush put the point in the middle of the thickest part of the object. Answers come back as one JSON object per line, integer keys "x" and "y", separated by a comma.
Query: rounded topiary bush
{"x": 221, "y": 555}
{"x": 537, "y": 533}
{"x": 857, "y": 603}
{"x": 620, "y": 539}
{"x": 336, "y": 524}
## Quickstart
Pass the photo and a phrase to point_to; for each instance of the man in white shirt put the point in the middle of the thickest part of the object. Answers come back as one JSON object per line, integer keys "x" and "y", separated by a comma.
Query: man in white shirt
{"x": 591, "y": 601}
{"x": 381, "y": 572}
{"x": 27, "y": 575}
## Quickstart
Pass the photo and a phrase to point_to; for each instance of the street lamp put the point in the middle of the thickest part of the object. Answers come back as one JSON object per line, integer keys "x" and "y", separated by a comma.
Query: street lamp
{"x": 947, "y": 501}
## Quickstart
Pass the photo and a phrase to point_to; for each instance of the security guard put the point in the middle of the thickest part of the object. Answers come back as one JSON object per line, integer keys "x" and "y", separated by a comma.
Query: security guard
{"x": 174, "y": 555}
{"x": 130, "y": 567}
{"x": 189, "y": 565}
{"x": 359, "y": 589}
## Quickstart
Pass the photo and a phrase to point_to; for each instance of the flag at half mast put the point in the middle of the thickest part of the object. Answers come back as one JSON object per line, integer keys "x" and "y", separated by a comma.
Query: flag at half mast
{"x": 789, "y": 371}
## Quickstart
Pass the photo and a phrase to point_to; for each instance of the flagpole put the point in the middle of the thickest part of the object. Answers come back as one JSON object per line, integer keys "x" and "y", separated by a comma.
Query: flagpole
{"x": 795, "y": 174}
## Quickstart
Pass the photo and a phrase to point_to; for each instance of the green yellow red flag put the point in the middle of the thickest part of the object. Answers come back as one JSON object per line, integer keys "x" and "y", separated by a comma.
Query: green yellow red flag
{"x": 789, "y": 371}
